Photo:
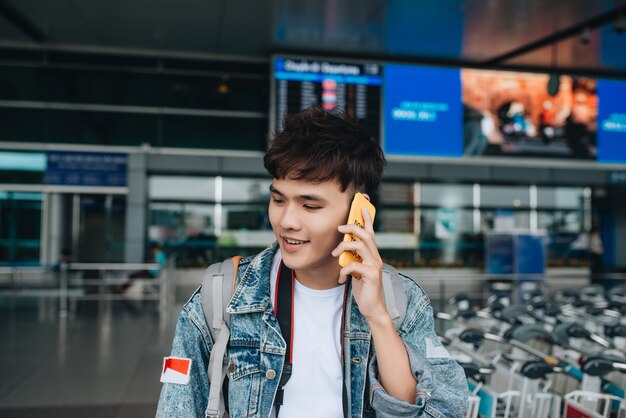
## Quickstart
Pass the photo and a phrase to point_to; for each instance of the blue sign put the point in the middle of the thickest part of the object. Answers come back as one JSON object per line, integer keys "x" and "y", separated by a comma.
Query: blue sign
{"x": 531, "y": 254}
{"x": 86, "y": 169}
{"x": 423, "y": 112}
{"x": 500, "y": 254}
{"x": 611, "y": 121}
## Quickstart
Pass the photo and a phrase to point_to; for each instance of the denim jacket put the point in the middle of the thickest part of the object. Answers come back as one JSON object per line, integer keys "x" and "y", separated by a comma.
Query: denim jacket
{"x": 256, "y": 353}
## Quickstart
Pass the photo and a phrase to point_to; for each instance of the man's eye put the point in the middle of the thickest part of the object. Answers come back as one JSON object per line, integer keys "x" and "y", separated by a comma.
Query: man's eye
{"x": 309, "y": 207}
{"x": 277, "y": 201}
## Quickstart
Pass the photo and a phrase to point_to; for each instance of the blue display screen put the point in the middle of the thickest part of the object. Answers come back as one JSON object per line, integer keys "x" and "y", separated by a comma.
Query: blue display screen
{"x": 423, "y": 111}
{"x": 611, "y": 121}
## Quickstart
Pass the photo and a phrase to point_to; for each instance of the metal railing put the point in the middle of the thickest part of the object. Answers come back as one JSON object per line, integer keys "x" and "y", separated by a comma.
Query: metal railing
{"x": 89, "y": 282}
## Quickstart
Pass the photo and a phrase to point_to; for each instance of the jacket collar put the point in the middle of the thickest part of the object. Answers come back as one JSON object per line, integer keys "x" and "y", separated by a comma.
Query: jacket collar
{"x": 252, "y": 293}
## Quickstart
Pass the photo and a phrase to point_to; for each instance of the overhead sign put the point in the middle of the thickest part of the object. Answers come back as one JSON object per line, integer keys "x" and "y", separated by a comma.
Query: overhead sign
{"x": 86, "y": 169}
{"x": 423, "y": 113}
{"x": 612, "y": 122}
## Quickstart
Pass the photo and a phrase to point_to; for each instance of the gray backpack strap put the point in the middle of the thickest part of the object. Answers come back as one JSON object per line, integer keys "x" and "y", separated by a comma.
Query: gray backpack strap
{"x": 216, "y": 292}
{"x": 395, "y": 298}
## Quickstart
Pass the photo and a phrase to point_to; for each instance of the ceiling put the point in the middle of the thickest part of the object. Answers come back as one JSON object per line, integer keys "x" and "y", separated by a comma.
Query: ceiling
{"x": 522, "y": 33}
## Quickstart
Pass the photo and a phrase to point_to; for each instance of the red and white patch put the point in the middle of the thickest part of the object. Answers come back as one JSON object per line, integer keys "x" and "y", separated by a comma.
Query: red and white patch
{"x": 176, "y": 370}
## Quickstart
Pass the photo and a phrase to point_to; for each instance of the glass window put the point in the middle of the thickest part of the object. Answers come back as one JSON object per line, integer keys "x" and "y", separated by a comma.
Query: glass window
{"x": 185, "y": 230}
{"x": 504, "y": 196}
{"x": 395, "y": 220}
{"x": 106, "y": 128}
{"x": 181, "y": 188}
{"x": 446, "y": 195}
{"x": 560, "y": 221}
{"x": 559, "y": 197}
{"x": 447, "y": 239}
{"x": 445, "y": 223}
{"x": 213, "y": 132}
{"x": 20, "y": 228}
{"x": 102, "y": 228}
{"x": 519, "y": 219}
{"x": 563, "y": 228}
{"x": 396, "y": 193}
{"x": 245, "y": 190}
{"x": 245, "y": 217}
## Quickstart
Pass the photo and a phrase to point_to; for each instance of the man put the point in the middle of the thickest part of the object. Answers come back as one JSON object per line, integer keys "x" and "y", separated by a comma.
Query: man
{"x": 347, "y": 358}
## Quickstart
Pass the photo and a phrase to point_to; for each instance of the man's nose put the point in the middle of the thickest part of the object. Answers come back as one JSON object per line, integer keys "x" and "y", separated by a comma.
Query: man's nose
{"x": 290, "y": 218}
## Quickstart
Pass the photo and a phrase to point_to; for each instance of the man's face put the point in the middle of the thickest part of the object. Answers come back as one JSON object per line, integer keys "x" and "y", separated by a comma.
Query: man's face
{"x": 305, "y": 217}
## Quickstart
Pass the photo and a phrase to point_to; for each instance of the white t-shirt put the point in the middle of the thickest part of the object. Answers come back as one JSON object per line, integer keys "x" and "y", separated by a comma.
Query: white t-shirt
{"x": 315, "y": 386}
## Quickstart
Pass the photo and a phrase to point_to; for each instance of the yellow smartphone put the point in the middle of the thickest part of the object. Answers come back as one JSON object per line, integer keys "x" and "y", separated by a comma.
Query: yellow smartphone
{"x": 356, "y": 218}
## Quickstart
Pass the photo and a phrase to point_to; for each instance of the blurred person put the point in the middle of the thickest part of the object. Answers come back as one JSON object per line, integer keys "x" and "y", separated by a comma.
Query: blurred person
{"x": 579, "y": 128}
{"x": 318, "y": 163}
{"x": 65, "y": 258}
{"x": 158, "y": 257}
{"x": 547, "y": 121}
{"x": 596, "y": 254}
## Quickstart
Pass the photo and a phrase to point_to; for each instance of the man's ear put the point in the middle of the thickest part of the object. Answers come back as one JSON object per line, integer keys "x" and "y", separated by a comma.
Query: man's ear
{"x": 365, "y": 195}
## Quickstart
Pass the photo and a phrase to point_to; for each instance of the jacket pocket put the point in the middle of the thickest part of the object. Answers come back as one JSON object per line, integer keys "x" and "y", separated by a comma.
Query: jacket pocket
{"x": 244, "y": 375}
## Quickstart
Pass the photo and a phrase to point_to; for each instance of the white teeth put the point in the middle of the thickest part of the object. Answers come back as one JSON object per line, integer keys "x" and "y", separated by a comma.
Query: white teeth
{"x": 293, "y": 242}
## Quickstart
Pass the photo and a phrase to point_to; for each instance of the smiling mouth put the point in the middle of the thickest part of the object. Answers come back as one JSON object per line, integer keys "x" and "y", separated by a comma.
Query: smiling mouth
{"x": 294, "y": 242}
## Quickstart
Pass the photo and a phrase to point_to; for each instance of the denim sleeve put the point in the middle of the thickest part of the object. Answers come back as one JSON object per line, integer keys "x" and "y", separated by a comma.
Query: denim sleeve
{"x": 441, "y": 383}
{"x": 191, "y": 340}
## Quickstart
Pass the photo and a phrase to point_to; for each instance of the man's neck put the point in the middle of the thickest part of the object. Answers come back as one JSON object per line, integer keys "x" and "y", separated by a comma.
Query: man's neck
{"x": 321, "y": 278}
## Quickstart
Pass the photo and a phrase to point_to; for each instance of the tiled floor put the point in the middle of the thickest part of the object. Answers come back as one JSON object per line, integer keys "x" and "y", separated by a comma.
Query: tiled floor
{"x": 100, "y": 362}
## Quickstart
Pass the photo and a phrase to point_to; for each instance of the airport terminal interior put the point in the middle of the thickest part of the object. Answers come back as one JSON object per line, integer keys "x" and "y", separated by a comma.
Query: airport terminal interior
{"x": 132, "y": 137}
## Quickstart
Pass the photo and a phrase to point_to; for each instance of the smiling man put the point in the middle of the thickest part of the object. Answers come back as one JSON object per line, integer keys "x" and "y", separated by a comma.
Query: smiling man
{"x": 309, "y": 339}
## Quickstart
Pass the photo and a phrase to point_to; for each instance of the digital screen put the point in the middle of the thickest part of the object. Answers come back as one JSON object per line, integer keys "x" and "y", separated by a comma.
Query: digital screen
{"x": 611, "y": 121}
{"x": 512, "y": 114}
{"x": 423, "y": 113}
{"x": 354, "y": 88}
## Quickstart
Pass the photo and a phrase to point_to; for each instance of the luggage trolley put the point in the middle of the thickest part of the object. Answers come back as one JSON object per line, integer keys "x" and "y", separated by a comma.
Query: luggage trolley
{"x": 583, "y": 404}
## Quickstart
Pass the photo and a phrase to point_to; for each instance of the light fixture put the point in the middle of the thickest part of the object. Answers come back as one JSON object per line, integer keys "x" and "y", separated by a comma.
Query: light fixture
{"x": 223, "y": 87}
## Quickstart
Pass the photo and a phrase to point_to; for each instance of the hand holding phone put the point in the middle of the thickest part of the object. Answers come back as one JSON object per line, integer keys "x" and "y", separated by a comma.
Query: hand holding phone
{"x": 356, "y": 218}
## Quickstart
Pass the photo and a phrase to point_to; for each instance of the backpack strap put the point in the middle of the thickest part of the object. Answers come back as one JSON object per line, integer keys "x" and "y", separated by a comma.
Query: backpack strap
{"x": 218, "y": 285}
{"x": 395, "y": 298}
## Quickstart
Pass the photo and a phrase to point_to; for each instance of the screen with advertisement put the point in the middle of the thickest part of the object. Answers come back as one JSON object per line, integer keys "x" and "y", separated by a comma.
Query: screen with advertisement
{"x": 422, "y": 111}
{"x": 512, "y": 114}
{"x": 354, "y": 88}
{"x": 612, "y": 121}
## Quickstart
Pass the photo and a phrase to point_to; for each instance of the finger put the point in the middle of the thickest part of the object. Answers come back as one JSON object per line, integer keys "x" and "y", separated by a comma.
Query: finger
{"x": 366, "y": 249}
{"x": 353, "y": 246}
{"x": 369, "y": 228}
{"x": 368, "y": 221}
{"x": 357, "y": 231}
{"x": 369, "y": 274}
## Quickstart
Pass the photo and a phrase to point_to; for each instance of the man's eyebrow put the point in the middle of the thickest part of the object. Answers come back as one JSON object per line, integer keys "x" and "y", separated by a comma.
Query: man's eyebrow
{"x": 275, "y": 190}
{"x": 307, "y": 197}
{"x": 312, "y": 197}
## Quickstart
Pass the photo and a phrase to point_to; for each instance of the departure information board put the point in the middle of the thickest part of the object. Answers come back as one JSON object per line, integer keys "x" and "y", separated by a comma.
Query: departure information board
{"x": 354, "y": 88}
